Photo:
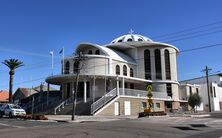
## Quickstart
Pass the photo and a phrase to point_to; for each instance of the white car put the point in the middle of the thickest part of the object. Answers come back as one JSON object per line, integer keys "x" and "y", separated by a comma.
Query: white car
{"x": 11, "y": 110}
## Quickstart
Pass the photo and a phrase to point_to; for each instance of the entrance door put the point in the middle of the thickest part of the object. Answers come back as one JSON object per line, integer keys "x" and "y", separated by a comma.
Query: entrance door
{"x": 127, "y": 108}
{"x": 116, "y": 108}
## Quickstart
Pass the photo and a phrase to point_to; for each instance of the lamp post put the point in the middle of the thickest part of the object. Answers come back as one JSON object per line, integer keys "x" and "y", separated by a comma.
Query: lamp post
{"x": 52, "y": 56}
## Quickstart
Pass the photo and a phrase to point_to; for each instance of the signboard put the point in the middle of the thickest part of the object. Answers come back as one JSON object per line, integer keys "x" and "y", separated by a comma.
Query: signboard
{"x": 149, "y": 88}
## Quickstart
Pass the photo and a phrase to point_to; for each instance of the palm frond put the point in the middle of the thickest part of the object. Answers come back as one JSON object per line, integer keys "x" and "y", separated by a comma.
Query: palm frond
{"x": 12, "y": 64}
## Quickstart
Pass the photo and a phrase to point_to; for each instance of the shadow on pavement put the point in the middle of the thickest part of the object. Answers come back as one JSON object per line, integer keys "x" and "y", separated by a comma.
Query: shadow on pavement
{"x": 198, "y": 125}
{"x": 185, "y": 128}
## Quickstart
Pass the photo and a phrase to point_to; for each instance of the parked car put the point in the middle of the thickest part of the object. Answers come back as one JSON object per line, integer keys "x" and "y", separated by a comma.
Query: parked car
{"x": 11, "y": 110}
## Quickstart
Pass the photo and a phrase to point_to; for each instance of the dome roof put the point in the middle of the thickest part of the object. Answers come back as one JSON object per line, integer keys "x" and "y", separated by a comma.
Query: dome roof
{"x": 131, "y": 38}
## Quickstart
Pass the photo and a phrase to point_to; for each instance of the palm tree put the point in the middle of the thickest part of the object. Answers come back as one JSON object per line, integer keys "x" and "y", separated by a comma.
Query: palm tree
{"x": 12, "y": 64}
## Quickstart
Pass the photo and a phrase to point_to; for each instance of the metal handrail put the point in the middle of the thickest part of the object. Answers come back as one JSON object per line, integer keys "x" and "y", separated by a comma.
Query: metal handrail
{"x": 142, "y": 93}
{"x": 62, "y": 104}
{"x": 103, "y": 100}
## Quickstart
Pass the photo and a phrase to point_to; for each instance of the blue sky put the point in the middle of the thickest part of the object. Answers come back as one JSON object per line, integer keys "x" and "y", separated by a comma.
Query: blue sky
{"x": 29, "y": 29}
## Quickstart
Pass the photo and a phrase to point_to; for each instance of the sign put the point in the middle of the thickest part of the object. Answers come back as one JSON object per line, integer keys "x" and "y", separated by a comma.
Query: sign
{"x": 149, "y": 88}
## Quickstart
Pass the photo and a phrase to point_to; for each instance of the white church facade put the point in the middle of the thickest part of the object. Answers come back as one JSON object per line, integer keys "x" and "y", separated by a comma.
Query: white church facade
{"x": 113, "y": 77}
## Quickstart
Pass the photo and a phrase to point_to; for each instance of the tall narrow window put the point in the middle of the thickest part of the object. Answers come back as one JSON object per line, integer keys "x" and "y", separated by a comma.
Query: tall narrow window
{"x": 211, "y": 91}
{"x": 97, "y": 52}
{"x": 158, "y": 64}
{"x": 169, "y": 89}
{"x": 75, "y": 67}
{"x": 117, "y": 70}
{"x": 167, "y": 64}
{"x": 124, "y": 70}
{"x": 214, "y": 92}
{"x": 67, "y": 67}
{"x": 131, "y": 72}
{"x": 191, "y": 90}
{"x": 147, "y": 64}
{"x": 197, "y": 90}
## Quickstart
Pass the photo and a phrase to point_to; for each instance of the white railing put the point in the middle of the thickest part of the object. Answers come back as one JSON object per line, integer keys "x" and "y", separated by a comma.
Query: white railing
{"x": 62, "y": 104}
{"x": 141, "y": 93}
{"x": 103, "y": 100}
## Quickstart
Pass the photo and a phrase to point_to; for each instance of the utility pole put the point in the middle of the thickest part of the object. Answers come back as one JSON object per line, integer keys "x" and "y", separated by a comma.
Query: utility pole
{"x": 77, "y": 60}
{"x": 206, "y": 70}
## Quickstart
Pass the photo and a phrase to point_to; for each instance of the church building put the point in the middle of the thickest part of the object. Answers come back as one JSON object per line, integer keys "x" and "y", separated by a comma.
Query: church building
{"x": 113, "y": 77}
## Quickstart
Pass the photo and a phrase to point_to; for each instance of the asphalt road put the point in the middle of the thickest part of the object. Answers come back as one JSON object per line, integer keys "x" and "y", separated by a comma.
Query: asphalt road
{"x": 156, "y": 127}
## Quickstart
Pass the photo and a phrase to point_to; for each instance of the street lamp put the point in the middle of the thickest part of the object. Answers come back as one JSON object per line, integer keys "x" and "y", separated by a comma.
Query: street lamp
{"x": 52, "y": 56}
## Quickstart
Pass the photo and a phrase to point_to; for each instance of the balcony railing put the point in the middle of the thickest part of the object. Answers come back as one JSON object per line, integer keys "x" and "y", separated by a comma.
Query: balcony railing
{"x": 141, "y": 93}
{"x": 103, "y": 101}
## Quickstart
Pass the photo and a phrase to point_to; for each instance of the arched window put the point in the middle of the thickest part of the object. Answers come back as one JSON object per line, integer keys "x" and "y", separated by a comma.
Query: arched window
{"x": 90, "y": 52}
{"x": 117, "y": 70}
{"x": 130, "y": 39}
{"x": 97, "y": 52}
{"x": 147, "y": 64}
{"x": 124, "y": 70}
{"x": 131, "y": 72}
{"x": 75, "y": 67}
{"x": 67, "y": 67}
{"x": 158, "y": 64}
{"x": 167, "y": 64}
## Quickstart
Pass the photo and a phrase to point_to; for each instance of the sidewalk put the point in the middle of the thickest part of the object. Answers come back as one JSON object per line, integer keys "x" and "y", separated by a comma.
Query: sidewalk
{"x": 67, "y": 118}
{"x": 195, "y": 115}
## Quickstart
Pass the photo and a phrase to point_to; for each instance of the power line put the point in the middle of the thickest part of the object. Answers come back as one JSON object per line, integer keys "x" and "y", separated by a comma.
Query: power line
{"x": 191, "y": 33}
{"x": 194, "y": 36}
{"x": 37, "y": 66}
{"x": 27, "y": 81}
{"x": 183, "y": 51}
{"x": 188, "y": 29}
{"x": 203, "y": 47}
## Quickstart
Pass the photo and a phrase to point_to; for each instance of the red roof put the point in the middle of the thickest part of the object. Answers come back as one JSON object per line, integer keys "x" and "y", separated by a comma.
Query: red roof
{"x": 4, "y": 95}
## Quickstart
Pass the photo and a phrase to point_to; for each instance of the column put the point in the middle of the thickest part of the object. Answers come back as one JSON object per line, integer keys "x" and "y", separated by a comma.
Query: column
{"x": 85, "y": 95}
{"x": 62, "y": 91}
{"x": 72, "y": 90}
{"x": 117, "y": 85}
{"x": 110, "y": 66}
{"x": 48, "y": 89}
{"x": 123, "y": 86}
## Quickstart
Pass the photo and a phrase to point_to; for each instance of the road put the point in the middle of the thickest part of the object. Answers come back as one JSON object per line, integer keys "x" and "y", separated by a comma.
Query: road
{"x": 155, "y": 127}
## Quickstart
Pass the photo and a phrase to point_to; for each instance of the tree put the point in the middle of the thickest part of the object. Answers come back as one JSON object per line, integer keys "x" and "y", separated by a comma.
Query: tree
{"x": 12, "y": 64}
{"x": 194, "y": 100}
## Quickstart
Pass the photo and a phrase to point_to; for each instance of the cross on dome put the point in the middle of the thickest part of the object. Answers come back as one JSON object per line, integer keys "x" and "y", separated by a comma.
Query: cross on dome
{"x": 131, "y": 31}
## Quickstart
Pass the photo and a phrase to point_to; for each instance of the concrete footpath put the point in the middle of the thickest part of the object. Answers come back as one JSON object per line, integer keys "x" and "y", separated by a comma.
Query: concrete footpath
{"x": 67, "y": 118}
